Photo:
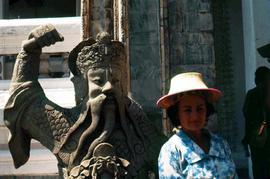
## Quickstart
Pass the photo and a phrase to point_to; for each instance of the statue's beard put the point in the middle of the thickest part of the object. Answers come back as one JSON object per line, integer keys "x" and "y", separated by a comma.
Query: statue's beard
{"x": 113, "y": 109}
{"x": 104, "y": 109}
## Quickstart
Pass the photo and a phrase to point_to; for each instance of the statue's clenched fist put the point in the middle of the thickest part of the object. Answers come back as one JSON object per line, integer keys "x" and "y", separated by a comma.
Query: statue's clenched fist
{"x": 42, "y": 36}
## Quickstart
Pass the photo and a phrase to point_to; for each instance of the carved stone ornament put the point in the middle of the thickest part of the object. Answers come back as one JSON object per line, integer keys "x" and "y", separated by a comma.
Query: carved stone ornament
{"x": 106, "y": 135}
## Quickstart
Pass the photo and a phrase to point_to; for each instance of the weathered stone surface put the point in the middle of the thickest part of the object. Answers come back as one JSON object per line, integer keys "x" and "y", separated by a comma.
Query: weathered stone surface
{"x": 145, "y": 54}
{"x": 146, "y": 21}
{"x": 190, "y": 29}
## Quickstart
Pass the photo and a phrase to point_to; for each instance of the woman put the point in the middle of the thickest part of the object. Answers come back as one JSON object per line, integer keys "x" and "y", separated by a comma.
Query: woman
{"x": 193, "y": 152}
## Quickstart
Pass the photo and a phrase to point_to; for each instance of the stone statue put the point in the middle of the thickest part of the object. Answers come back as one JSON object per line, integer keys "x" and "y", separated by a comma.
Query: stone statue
{"x": 106, "y": 135}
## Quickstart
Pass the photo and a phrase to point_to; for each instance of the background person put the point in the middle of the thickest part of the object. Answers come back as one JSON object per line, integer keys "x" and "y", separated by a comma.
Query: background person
{"x": 256, "y": 110}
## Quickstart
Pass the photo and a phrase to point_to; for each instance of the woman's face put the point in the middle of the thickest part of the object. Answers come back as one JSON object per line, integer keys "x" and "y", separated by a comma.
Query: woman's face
{"x": 192, "y": 112}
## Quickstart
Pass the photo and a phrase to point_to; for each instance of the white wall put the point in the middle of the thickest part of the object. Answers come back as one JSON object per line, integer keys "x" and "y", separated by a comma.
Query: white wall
{"x": 261, "y": 12}
{"x": 256, "y": 15}
{"x": 249, "y": 42}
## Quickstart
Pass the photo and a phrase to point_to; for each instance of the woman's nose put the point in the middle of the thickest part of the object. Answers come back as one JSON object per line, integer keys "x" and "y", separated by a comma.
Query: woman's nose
{"x": 194, "y": 115}
{"x": 107, "y": 88}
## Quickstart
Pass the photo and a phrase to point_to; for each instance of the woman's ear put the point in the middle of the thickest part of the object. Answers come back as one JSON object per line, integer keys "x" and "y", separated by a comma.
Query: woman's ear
{"x": 172, "y": 113}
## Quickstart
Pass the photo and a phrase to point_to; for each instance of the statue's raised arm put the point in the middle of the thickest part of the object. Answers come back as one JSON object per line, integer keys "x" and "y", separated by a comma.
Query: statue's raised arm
{"x": 28, "y": 60}
{"x": 29, "y": 114}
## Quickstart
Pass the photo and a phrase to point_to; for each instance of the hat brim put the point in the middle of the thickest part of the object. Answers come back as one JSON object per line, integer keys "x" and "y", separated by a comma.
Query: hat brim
{"x": 168, "y": 100}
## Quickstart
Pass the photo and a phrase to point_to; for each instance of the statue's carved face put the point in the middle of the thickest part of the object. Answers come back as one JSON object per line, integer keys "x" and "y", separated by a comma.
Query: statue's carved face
{"x": 106, "y": 80}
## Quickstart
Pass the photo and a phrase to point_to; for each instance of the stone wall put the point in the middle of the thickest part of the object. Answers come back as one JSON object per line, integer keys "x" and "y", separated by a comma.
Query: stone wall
{"x": 145, "y": 55}
{"x": 191, "y": 40}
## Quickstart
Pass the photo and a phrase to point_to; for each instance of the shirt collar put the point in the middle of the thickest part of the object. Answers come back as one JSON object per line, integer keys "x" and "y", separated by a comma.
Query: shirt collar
{"x": 193, "y": 153}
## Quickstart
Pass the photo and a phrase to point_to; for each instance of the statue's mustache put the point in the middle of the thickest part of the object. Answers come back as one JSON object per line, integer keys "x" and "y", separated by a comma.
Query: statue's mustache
{"x": 110, "y": 98}
{"x": 113, "y": 98}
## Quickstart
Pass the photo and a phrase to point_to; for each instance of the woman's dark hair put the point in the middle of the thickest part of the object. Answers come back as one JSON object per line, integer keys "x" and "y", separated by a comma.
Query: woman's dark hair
{"x": 173, "y": 113}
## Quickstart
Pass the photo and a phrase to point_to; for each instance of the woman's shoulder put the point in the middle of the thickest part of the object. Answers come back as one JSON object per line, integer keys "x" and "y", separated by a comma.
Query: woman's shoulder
{"x": 176, "y": 143}
{"x": 172, "y": 141}
{"x": 172, "y": 145}
{"x": 170, "y": 151}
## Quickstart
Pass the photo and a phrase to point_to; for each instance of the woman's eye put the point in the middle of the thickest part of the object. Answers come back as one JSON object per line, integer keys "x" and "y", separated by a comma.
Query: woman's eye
{"x": 200, "y": 109}
{"x": 187, "y": 110}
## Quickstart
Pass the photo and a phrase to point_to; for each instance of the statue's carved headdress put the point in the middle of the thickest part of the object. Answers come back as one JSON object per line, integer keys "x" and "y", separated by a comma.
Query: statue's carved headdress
{"x": 97, "y": 53}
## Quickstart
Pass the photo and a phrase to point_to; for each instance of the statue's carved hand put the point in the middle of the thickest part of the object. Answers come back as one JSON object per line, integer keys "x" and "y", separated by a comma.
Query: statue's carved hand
{"x": 42, "y": 36}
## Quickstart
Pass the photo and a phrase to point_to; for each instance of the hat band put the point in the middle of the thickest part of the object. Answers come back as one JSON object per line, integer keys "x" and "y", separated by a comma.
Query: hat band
{"x": 176, "y": 98}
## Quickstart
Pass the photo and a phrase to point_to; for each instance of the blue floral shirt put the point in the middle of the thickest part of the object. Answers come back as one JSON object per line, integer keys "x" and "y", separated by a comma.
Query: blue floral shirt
{"x": 180, "y": 157}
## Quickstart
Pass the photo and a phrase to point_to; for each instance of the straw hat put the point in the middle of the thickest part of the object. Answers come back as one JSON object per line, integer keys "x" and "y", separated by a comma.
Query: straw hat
{"x": 184, "y": 82}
